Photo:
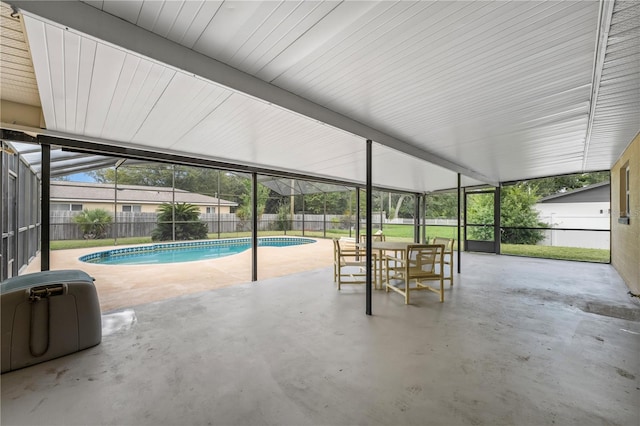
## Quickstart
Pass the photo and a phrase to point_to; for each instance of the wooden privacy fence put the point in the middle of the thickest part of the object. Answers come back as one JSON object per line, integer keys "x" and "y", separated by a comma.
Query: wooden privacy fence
{"x": 132, "y": 224}
{"x": 129, "y": 224}
{"x": 126, "y": 224}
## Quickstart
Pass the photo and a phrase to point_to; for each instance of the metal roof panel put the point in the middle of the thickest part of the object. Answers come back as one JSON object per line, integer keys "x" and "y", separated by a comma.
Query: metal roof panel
{"x": 507, "y": 90}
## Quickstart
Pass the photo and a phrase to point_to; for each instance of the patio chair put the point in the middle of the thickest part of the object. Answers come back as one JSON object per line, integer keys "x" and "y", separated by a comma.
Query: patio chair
{"x": 421, "y": 263}
{"x": 350, "y": 262}
{"x": 448, "y": 256}
{"x": 374, "y": 237}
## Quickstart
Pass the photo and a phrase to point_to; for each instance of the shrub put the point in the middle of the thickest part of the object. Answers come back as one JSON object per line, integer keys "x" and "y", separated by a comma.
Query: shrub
{"x": 282, "y": 221}
{"x": 335, "y": 223}
{"x": 93, "y": 223}
{"x": 188, "y": 225}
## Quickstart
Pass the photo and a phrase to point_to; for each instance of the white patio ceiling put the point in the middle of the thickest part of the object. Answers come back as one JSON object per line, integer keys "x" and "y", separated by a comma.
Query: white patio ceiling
{"x": 498, "y": 91}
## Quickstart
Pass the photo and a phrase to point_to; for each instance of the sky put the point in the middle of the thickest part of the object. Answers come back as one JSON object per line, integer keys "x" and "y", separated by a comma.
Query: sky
{"x": 80, "y": 177}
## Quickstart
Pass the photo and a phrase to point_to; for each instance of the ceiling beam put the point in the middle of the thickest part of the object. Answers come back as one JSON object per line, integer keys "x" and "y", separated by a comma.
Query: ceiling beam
{"x": 95, "y": 23}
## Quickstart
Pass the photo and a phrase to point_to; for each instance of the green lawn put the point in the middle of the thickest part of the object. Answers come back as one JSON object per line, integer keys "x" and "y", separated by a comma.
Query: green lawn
{"x": 566, "y": 253}
{"x": 73, "y": 244}
{"x": 402, "y": 232}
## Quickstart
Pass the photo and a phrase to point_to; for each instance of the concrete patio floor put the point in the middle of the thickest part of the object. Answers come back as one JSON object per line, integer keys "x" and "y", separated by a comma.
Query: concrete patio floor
{"x": 121, "y": 286}
{"x": 517, "y": 342}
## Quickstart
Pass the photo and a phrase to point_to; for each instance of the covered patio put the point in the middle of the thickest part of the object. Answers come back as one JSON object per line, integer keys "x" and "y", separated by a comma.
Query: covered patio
{"x": 414, "y": 97}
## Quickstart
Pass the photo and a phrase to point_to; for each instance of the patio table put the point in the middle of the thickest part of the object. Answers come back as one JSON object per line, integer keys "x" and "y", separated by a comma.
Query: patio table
{"x": 399, "y": 248}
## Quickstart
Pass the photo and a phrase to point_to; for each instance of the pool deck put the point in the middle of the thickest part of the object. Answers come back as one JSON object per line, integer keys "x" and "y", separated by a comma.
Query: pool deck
{"x": 121, "y": 286}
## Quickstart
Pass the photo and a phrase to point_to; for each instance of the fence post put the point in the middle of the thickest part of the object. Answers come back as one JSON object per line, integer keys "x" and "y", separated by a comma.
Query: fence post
{"x": 218, "y": 197}
{"x": 324, "y": 217}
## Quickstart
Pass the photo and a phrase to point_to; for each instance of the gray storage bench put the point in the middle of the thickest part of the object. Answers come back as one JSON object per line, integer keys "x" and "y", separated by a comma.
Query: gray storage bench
{"x": 46, "y": 315}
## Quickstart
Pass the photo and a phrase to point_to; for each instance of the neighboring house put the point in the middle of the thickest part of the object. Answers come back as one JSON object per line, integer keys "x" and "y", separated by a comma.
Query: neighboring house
{"x": 584, "y": 208}
{"x": 78, "y": 196}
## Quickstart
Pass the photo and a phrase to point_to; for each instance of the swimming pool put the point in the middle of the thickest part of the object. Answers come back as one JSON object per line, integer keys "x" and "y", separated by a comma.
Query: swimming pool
{"x": 188, "y": 251}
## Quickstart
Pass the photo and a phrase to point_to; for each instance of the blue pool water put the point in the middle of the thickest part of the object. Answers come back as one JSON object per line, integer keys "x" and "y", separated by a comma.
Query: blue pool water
{"x": 185, "y": 251}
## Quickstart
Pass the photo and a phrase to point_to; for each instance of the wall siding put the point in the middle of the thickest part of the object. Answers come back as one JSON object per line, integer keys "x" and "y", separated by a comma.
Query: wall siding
{"x": 625, "y": 239}
{"x": 145, "y": 208}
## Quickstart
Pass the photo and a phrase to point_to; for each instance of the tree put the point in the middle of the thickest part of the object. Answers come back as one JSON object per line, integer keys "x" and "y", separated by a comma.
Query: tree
{"x": 480, "y": 212}
{"x": 193, "y": 179}
{"x": 244, "y": 212}
{"x": 405, "y": 206}
{"x": 93, "y": 223}
{"x": 553, "y": 185}
{"x": 273, "y": 202}
{"x": 396, "y": 211}
{"x": 188, "y": 225}
{"x": 517, "y": 211}
{"x": 283, "y": 221}
{"x": 147, "y": 174}
{"x": 336, "y": 202}
{"x": 442, "y": 205}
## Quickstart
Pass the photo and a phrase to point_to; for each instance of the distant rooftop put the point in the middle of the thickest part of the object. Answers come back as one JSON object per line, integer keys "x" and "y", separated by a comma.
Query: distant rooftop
{"x": 104, "y": 192}
{"x": 594, "y": 193}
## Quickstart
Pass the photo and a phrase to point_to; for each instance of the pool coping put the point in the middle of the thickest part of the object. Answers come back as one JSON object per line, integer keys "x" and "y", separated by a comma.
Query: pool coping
{"x": 156, "y": 247}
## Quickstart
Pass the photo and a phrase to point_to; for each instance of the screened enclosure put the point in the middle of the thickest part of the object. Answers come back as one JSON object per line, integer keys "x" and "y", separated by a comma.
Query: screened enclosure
{"x": 20, "y": 213}
{"x": 100, "y": 200}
